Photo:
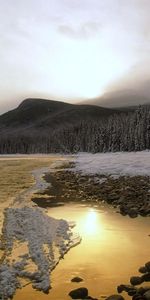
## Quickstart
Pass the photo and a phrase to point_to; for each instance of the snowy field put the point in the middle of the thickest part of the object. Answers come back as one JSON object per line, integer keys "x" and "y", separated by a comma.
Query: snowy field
{"x": 117, "y": 164}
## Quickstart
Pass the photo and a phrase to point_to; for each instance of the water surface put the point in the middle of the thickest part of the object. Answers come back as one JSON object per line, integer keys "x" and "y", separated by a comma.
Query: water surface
{"x": 113, "y": 247}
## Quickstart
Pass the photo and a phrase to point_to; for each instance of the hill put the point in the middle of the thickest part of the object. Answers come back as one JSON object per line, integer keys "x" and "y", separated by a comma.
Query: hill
{"x": 33, "y": 114}
{"x": 45, "y": 126}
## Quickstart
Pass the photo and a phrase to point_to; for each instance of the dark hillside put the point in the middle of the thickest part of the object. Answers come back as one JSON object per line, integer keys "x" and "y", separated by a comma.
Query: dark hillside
{"x": 44, "y": 113}
{"x": 44, "y": 126}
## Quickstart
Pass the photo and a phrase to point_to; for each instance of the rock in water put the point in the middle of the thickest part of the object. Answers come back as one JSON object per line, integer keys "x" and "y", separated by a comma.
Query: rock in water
{"x": 80, "y": 293}
{"x": 147, "y": 265}
{"x": 124, "y": 287}
{"x": 115, "y": 297}
{"x": 76, "y": 279}
{"x": 147, "y": 295}
{"x": 143, "y": 270}
{"x": 136, "y": 280}
{"x": 146, "y": 277}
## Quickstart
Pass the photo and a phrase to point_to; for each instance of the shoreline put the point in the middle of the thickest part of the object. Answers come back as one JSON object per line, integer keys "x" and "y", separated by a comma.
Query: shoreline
{"x": 129, "y": 195}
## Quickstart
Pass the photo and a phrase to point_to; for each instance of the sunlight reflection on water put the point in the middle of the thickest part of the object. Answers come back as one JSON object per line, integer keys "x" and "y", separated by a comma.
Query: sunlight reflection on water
{"x": 91, "y": 225}
{"x": 112, "y": 249}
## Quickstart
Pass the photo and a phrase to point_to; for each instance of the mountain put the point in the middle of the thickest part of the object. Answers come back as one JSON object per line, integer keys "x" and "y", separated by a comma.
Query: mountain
{"x": 35, "y": 114}
{"x": 46, "y": 126}
{"x": 119, "y": 99}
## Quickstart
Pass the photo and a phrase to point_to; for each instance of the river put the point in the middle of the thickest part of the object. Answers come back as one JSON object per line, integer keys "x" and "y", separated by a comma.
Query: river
{"x": 113, "y": 247}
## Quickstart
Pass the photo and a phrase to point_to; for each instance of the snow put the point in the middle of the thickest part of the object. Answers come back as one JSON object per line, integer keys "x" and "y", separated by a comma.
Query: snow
{"x": 40, "y": 185}
{"x": 38, "y": 230}
{"x": 115, "y": 164}
{"x": 100, "y": 180}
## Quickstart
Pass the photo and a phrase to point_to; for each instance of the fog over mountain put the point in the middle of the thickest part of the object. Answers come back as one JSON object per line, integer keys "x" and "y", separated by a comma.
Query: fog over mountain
{"x": 120, "y": 98}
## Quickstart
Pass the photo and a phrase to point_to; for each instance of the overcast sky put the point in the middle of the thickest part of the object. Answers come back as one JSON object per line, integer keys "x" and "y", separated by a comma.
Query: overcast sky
{"x": 72, "y": 49}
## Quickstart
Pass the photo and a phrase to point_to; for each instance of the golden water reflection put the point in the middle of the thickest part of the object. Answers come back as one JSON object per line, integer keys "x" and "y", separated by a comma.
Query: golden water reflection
{"x": 112, "y": 249}
{"x": 90, "y": 224}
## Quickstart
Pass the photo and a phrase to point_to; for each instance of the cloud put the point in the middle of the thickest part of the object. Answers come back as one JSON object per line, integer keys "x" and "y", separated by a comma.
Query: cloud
{"x": 82, "y": 31}
{"x": 72, "y": 48}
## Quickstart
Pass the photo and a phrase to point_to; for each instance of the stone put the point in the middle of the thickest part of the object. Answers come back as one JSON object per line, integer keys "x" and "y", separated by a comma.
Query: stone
{"x": 76, "y": 279}
{"x": 147, "y": 265}
{"x": 133, "y": 213}
{"x": 80, "y": 293}
{"x": 138, "y": 297}
{"x": 120, "y": 288}
{"x": 143, "y": 270}
{"x": 146, "y": 277}
{"x": 132, "y": 292}
{"x": 123, "y": 287}
{"x": 115, "y": 297}
{"x": 136, "y": 280}
{"x": 147, "y": 295}
{"x": 143, "y": 290}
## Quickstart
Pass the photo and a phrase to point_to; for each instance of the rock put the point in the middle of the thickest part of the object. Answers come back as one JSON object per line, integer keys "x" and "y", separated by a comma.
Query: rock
{"x": 136, "y": 280}
{"x": 76, "y": 279}
{"x": 143, "y": 290}
{"x": 120, "y": 288}
{"x": 80, "y": 293}
{"x": 146, "y": 277}
{"x": 147, "y": 265}
{"x": 138, "y": 297}
{"x": 133, "y": 213}
{"x": 115, "y": 297}
{"x": 123, "y": 287}
{"x": 143, "y": 270}
{"x": 132, "y": 292}
{"x": 147, "y": 295}
{"x": 123, "y": 211}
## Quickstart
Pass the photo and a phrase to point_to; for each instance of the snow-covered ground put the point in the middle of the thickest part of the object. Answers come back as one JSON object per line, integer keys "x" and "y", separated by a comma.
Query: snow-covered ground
{"x": 47, "y": 241}
{"x": 116, "y": 164}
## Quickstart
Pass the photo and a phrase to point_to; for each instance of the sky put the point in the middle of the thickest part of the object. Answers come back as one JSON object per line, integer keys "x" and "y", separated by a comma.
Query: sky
{"x": 72, "y": 49}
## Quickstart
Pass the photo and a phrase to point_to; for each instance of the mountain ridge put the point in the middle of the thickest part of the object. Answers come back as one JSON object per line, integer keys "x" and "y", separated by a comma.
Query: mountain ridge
{"x": 42, "y": 112}
{"x": 42, "y": 126}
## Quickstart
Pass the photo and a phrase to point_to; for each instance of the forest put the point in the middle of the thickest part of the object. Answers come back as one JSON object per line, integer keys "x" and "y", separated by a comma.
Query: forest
{"x": 125, "y": 131}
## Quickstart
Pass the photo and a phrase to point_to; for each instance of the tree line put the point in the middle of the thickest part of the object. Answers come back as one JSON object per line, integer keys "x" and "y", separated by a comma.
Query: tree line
{"x": 118, "y": 132}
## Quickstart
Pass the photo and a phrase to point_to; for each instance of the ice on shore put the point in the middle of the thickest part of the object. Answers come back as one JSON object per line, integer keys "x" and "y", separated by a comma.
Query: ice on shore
{"x": 40, "y": 232}
{"x": 115, "y": 164}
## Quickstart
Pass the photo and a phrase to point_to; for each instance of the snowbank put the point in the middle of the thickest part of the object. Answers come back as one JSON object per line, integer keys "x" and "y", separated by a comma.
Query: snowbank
{"x": 39, "y": 231}
{"x": 120, "y": 163}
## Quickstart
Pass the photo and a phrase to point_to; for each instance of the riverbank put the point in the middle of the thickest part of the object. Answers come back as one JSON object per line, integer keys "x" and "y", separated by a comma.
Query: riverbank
{"x": 129, "y": 195}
